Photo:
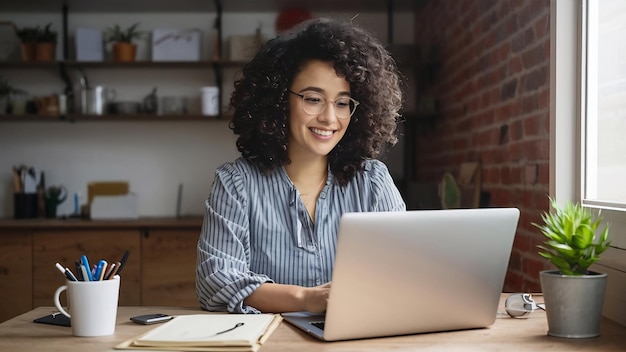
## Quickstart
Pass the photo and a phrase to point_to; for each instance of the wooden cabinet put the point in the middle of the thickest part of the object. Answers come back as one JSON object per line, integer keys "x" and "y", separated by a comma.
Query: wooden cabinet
{"x": 16, "y": 290}
{"x": 168, "y": 273}
{"x": 160, "y": 269}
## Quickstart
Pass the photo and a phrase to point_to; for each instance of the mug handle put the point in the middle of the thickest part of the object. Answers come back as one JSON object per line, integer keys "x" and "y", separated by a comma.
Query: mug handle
{"x": 57, "y": 302}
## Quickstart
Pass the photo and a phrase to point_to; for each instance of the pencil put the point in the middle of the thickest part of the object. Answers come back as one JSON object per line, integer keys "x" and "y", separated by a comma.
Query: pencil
{"x": 115, "y": 270}
{"x": 109, "y": 271}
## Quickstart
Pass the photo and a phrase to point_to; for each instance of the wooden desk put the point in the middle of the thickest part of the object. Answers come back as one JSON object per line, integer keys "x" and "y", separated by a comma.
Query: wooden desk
{"x": 507, "y": 334}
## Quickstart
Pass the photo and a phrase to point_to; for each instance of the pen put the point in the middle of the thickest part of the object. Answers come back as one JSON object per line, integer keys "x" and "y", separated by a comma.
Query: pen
{"x": 104, "y": 268}
{"x": 87, "y": 273}
{"x": 109, "y": 271}
{"x": 70, "y": 275}
{"x": 97, "y": 275}
{"x": 79, "y": 272}
{"x": 122, "y": 262}
{"x": 65, "y": 271}
{"x": 115, "y": 270}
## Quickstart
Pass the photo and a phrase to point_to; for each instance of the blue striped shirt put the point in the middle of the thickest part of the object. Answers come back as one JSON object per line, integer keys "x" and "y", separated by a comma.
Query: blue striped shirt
{"x": 256, "y": 229}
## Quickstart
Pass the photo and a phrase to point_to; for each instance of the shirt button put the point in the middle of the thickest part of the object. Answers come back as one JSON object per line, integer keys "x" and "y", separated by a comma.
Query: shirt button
{"x": 323, "y": 194}
{"x": 311, "y": 247}
{"x": 318, "y": 282}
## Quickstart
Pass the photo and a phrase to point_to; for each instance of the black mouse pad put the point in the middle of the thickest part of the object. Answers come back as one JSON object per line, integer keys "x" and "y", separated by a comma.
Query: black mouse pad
{"x": 54, "y": 319}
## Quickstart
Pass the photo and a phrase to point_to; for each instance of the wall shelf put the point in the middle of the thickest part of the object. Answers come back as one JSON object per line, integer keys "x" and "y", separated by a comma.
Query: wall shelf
{"x": 107, "y": 118}
{"x": 111, "y": 64}
{"x": 207, "y": 5}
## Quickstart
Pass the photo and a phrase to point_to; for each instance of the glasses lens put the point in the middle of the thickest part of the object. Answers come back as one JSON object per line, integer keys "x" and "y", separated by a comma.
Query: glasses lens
{"x": 313, "y": 103}
{"x": 344, "y": 107}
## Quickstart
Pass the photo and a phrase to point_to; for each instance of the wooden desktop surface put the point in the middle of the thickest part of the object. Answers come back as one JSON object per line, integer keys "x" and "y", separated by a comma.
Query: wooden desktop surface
{"x": 507, "y": 334}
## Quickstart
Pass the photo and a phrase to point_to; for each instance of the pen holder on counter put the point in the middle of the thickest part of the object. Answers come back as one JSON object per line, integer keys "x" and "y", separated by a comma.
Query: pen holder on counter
{"x": 25, "y": 205}
{"x": 92, "y": 306}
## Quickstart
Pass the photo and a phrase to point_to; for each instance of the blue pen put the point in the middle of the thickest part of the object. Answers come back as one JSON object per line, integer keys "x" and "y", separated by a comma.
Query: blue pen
{"x": 85, "y": 262}
{"x": 98, "y": 272}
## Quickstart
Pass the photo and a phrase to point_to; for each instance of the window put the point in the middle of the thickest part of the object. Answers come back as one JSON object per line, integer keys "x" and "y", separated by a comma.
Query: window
{"x": 588, "y": 123}
{"x": 605, "y": 114}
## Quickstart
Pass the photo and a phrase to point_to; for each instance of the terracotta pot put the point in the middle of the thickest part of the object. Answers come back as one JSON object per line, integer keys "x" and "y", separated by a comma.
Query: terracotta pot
{"x": 28, "y": 51}
{"x": 45, "y": 52}
{"x": 124, "y": 51}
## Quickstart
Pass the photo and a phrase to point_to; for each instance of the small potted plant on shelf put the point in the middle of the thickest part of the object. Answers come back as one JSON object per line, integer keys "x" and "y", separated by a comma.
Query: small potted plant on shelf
{"x": 573, "y": 294}
{"x": 46, "y": 44}
{"x": 38, "y": 44}
{"x": 28, "y": 39}
{"x": 124, "y": 49}
{"x": 6, "y": 92}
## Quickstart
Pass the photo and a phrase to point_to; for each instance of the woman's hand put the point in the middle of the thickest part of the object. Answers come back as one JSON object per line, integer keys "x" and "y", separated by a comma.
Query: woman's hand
{"x": 315, "y": 299}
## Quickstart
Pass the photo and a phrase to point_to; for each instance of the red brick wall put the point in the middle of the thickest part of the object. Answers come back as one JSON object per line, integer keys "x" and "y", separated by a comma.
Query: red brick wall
{"x": 493, "y": 90}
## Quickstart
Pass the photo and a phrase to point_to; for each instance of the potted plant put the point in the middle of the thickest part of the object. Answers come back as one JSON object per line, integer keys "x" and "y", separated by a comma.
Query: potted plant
{"x": 28, "y": 39}
{"x": 573, "y": 294}
{"x": 38, "y": 44}
{"x": 45, "y": 48}
{"x": 6, "y": 92}
{"x": 124, "y": 49}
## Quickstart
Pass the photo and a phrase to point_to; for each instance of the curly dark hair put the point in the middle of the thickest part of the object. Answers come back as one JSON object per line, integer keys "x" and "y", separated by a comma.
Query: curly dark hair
{"x": 260, "y": 104}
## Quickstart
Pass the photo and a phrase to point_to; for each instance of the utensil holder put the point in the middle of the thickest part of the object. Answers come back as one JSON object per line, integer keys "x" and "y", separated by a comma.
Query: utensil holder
{"x": 25, "y": 205}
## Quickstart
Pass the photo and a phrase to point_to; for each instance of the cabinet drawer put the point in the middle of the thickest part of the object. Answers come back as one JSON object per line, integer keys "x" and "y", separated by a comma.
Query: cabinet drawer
{"x": 169, "y": 268}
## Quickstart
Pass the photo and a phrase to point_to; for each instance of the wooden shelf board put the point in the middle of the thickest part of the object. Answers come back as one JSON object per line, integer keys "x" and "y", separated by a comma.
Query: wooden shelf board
{"x": 106, "y": 118}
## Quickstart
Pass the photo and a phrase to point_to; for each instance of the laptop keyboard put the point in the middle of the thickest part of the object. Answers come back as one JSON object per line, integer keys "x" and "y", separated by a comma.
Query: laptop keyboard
{"x": 318, "y": 324}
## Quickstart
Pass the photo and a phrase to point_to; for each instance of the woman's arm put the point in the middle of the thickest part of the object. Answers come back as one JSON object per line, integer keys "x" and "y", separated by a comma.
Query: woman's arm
{"x": 223, "y": 276}
{"x": 277, "y": 298}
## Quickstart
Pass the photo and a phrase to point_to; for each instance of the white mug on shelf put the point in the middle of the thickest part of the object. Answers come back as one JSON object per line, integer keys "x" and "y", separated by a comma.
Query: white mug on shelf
{"x": 210, "y": 101}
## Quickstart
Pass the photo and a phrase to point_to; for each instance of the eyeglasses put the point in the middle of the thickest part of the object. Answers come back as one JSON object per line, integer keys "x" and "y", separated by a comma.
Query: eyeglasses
{"x": 315, "y": 103}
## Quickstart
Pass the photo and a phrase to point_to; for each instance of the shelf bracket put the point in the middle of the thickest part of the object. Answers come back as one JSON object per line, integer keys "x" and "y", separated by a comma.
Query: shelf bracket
{"x": 216, "y": 64}
{"x": 66, "y": 47}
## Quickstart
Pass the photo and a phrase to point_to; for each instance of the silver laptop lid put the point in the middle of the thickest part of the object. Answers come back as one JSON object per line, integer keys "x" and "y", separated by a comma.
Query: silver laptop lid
{"x": 418, "y": 271}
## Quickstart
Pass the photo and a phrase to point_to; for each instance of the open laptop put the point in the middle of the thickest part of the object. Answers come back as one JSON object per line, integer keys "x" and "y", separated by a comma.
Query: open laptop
{"x": 413, "y": 272}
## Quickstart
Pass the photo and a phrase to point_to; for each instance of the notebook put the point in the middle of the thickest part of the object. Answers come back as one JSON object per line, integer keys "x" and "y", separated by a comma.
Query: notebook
{"x": 207, "y": 332}
{"x": 413, "y": 272}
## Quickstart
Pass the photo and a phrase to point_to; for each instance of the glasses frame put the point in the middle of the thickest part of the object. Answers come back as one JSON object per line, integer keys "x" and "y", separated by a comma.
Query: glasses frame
{"x": 326, "y": 101}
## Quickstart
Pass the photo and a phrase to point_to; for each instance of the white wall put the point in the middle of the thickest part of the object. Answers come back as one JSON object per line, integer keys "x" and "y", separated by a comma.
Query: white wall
{"x": 155, "y": 157}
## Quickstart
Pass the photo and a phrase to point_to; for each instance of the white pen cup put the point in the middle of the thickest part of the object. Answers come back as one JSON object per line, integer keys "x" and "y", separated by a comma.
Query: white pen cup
{"x": 92, "y": 306}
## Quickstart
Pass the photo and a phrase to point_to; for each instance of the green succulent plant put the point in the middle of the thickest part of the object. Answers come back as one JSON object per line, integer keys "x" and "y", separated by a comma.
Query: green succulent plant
{"x": 117, "y": 34}
{"x": 572, "y": 244}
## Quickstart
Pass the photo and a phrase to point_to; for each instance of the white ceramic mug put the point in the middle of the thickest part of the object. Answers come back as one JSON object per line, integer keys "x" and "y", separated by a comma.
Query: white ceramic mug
{"x": 93, "y": 306}
{"x": 210, "y": 101}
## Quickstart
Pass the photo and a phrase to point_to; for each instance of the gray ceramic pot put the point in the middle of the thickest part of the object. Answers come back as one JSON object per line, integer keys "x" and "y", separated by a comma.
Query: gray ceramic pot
{"x": 573, "y": 303}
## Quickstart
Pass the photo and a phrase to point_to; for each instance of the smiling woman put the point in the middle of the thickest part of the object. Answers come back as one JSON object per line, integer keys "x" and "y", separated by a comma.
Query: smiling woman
{"x": 313, "y": 110}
